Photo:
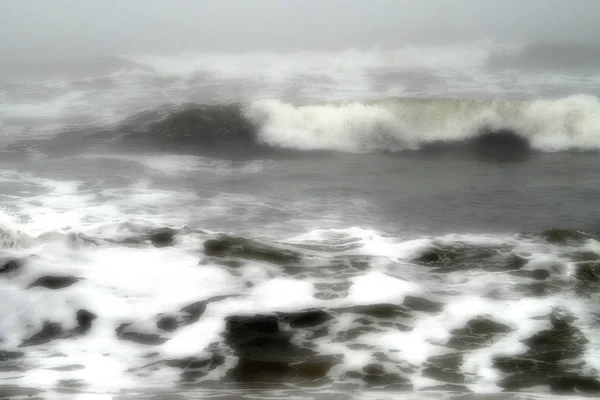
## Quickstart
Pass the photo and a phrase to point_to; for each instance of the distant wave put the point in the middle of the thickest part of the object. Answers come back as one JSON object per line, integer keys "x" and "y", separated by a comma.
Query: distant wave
{"x": 344, "y": 65}
{"x": 325, "y": 67}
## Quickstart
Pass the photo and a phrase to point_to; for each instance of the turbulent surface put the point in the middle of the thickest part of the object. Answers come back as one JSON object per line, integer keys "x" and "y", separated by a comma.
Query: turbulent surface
{"x": 335, "y": 309}
{"x": 419, "y": 223}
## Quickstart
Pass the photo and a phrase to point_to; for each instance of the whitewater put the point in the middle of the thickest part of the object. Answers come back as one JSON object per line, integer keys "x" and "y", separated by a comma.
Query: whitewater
{"x": 410, "y": 223}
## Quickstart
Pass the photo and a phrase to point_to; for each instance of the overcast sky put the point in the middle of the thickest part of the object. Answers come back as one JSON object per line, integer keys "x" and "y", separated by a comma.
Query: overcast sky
{"x": 59, "y": 28}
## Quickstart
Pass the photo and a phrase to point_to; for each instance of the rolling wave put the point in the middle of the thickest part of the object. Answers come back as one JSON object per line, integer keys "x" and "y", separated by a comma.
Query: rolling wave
{"x": 488, "y": 127}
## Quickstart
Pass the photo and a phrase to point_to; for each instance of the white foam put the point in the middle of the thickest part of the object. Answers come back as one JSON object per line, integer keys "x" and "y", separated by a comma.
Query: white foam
{"x": 192, "y": 340}
{"x": 592, "y": 245}
{"x": 118, "y": 284}
{"x": 521, "y": 316}
{"x": 64, "y": 207}
{"x": 273, "y": 294}
{"x": 365, "y": 242}
{"x": 376, "y": 287}
{"x": 11, "y": 231}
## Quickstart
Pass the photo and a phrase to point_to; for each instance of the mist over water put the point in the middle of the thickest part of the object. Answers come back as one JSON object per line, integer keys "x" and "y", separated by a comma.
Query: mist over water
{"x": 380, "y": 199}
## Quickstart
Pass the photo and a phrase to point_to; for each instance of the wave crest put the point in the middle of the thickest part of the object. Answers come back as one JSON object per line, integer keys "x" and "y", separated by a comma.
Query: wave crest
{"x": 400, "y": 124}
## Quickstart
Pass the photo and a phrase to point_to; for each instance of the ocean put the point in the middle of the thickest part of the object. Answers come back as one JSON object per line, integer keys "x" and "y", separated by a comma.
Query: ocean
{"x": 377, "y": 224}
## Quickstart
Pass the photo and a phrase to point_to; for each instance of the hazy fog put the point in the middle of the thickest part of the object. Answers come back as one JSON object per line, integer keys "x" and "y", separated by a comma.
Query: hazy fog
{"x": 51, "y": 29}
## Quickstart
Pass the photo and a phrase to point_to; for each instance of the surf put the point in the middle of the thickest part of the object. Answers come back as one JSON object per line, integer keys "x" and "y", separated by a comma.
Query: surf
{"x": 570, "y": 123}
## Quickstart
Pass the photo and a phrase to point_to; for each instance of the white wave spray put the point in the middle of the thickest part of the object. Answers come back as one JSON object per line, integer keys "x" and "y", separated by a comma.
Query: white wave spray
{"x": 396, "y": 124}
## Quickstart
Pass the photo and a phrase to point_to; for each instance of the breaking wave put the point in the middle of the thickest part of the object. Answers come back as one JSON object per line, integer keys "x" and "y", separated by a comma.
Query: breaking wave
{"x": 488, "y": 127}
{"x": 399, "y": 124}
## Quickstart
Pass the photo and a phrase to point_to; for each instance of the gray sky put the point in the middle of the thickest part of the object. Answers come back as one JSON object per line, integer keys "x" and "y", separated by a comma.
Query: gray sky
{"x": 63, "y": 28}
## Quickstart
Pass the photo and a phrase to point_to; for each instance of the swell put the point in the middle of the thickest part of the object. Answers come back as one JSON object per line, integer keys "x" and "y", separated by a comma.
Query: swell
{"x": 491, "y": 128}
